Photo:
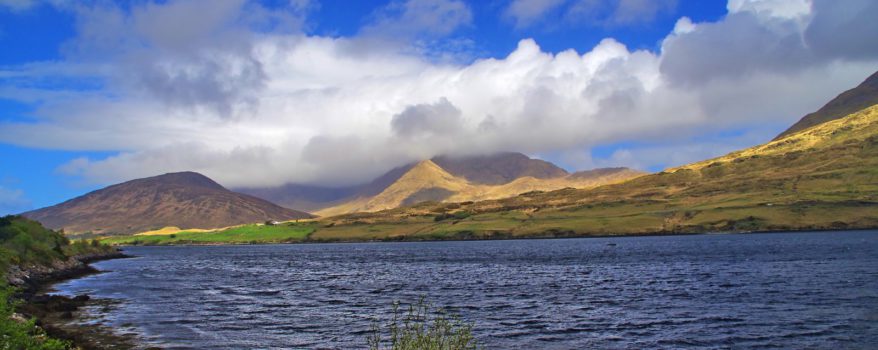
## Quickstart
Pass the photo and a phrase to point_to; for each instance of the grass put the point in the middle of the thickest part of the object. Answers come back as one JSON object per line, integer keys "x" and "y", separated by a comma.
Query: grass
{"x": 286, "y": 232}
{"x": 422, "y": 327}
{"x": 19, "y": 334}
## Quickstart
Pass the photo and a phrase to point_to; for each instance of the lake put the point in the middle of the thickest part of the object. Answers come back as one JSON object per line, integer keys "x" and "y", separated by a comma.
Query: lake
{"x": 789, "y": 290}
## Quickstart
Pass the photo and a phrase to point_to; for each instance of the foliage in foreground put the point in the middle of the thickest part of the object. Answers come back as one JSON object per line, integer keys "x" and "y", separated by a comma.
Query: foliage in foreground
{"x": 17, "y": 335}
{"x": 26, "y": 242}
{"x": 422, "y": 328}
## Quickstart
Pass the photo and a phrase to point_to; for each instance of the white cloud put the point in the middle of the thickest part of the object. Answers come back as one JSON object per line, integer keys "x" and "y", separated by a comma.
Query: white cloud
{"x": 250, "y": 108}
{"x": 427, "y": 120}
{"x": 788, "y": 9}
{"x": 684, "y": 25}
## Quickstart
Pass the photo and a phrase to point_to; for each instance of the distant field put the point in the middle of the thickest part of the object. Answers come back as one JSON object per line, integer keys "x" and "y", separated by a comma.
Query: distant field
{"x": 288, "y": 232}
{"x": 601, "y": 220}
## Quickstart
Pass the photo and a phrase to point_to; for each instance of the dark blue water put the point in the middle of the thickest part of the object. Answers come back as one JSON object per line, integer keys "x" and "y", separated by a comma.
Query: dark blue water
{"x": 792, "y": 291}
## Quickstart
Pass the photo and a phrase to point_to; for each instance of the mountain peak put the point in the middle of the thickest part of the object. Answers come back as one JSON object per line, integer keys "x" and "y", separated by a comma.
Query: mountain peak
{"x": 499, "y": 168}
{"x": 183, "y": 178}
{"x": 183, "y": 199}
{"x": 863, "y": 96}
{"x": 427, "y": 173}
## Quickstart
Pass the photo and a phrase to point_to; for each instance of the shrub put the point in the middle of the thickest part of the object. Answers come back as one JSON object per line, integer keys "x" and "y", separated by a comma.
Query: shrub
{"x": 422, "y": 328}
{"x": 22, "y": 335}
{"x": 24, "y": 241}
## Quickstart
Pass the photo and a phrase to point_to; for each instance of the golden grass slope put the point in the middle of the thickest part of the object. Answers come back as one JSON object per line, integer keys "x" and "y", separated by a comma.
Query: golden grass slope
{"x": 856, "y": 126}
{"x": 428, "y": 176}
{"x": 170, "y": 230}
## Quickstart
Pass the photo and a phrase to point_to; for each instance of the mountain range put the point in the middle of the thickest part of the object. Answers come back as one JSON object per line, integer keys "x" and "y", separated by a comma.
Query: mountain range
{"x": 427, "y": 181}
{"x": 480, "y": 170}
{"x": 820, "y": 178}
{"x": 822, "y": 173}
{"x": 189, "y": 200}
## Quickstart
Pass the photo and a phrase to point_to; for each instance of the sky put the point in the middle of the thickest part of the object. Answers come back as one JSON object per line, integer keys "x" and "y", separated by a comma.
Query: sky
{"x": 326, "y": 92}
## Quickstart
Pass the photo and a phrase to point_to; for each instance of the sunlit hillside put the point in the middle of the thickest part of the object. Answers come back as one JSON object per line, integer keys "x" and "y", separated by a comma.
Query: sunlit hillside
{"x": 427, "y": 181}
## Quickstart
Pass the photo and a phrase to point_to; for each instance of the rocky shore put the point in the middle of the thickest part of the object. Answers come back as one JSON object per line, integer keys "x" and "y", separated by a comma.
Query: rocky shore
{"x": 33, "y": 278}
{"x": 57, "y": 314}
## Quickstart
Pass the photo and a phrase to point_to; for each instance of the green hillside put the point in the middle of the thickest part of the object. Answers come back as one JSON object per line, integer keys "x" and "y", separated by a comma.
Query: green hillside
{"x": 28, "y": 246}
{"x": 282, "y": 233}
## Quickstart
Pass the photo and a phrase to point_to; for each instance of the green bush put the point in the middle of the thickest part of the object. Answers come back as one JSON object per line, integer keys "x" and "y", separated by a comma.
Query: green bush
{"x": 26, "y": 242}
{"x": 422, "y": 328}
{"x": 17, "y": 335}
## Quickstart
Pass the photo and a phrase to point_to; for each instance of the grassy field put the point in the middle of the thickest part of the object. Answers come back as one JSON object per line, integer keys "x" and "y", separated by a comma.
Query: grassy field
{"x": 286, "y": 232}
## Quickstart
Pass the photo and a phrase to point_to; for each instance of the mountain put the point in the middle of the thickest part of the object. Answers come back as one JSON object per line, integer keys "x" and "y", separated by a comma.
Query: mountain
{"x": 428, "y": 181}
{"x": 185, "y": 200}
{"x": 313, "y": 198}
{"x": 499, "y": 168}
{"x": 422, "y": 182}
{"x": 853, "y": 100}
{"x": 496, "y": 169}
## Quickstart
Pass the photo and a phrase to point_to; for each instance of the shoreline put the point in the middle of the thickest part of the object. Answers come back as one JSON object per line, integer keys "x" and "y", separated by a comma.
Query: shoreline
{"x": 505, "y": 238}
{"x": 60, "y": 316}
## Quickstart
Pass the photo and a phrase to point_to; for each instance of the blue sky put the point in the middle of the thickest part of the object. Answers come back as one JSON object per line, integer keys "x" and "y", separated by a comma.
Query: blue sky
{"x": 258, "y": 93}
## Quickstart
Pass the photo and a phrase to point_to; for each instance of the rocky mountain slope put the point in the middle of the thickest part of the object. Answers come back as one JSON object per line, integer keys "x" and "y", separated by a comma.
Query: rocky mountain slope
{"x": 185, "y": 200}
{"x": 853, "y": 100}
{"x": 499, "y": 168}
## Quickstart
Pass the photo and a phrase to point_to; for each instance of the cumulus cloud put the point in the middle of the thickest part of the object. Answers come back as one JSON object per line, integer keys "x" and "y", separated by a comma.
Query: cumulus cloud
{"x": 424, "y": 120}
{"x": 843, "y": 32}
{"x": 280, "y": 106}
{"x": 194, "y": 54}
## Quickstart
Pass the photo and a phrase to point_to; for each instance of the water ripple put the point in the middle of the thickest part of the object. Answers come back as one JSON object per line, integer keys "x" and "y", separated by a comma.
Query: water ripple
{"x": 805, "y": 290}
